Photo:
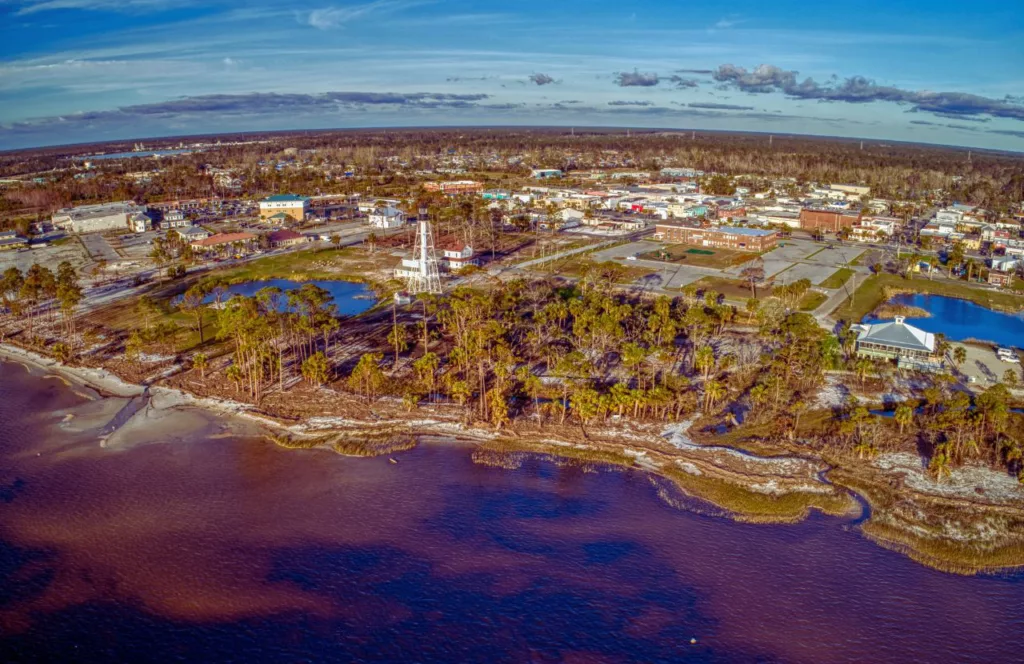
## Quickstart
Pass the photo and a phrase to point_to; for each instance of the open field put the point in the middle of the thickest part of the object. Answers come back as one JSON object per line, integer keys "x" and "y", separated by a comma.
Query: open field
{"x": 689, "y": 255}
{"x": 344, "y": 264}
{"x": 872, "y": 293}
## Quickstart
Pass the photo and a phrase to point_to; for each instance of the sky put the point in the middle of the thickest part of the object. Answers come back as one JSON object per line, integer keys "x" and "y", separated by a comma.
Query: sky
{"x": 944, "y": 72}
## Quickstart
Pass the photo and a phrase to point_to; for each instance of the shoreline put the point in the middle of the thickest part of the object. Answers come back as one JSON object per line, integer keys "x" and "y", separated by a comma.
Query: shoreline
{"x": 743, "y": 487}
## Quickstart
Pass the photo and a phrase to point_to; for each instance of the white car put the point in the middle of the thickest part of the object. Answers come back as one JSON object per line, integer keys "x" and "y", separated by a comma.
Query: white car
{"x": 630, "y": 258}
{"x": 1007, "y": 355}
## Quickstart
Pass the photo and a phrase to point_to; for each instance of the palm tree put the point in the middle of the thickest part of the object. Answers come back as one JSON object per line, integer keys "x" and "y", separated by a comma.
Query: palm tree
{"x": 704, "y": 360}
{"x": 904, "y": 415}
{"x": 713, "y": 391}
{"x": 959, "y": 355}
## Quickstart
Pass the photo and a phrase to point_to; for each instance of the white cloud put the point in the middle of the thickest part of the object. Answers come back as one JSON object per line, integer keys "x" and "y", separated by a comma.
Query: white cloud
{"x": 123, "y": 6}
{"x": 334, "y": 17}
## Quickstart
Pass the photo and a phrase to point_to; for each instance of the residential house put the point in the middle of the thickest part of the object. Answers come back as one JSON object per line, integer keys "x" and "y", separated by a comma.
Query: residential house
{"x": 174, "y": 219}
{"x": 545, "y": 173}
{"x": 387, "y": 217}
{"x": 458, "y": 257}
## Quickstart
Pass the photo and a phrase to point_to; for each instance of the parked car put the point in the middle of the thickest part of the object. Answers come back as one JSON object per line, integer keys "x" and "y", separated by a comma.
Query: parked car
{"x": 1008, "y": 355}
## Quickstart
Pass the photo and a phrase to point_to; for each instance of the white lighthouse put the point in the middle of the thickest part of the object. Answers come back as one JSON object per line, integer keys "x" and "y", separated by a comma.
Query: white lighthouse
{"x": 421, "y": 272}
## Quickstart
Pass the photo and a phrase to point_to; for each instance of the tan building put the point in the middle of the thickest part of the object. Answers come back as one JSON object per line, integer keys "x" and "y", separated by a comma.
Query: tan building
{"x": 294, "y": 207}
{"x": 722, "y": 237}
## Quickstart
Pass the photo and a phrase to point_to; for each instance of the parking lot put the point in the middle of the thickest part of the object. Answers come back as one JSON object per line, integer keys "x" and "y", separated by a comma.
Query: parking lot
{"x": 984, "y": 367}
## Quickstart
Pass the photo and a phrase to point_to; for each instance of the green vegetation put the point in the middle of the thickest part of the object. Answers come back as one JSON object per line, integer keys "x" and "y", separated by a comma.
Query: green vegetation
{"x": 812, "y": 300}
{"x": 838, "y": 278}
{"x": 878, "y": 288}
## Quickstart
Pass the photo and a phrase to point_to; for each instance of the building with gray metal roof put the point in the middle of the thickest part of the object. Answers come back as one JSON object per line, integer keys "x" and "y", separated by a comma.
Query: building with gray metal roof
{"x": 909, "y": 346}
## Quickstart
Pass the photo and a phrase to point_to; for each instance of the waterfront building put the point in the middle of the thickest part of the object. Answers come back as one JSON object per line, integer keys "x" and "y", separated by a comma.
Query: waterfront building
{"x": 910, "y": 347}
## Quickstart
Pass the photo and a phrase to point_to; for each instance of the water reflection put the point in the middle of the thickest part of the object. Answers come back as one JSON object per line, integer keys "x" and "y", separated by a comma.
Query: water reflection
{"x": 234, "y": 549}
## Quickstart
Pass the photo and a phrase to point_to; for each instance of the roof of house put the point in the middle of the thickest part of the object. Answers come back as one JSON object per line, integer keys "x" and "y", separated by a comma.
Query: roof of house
{"x": 193, "y": 230}
{"x": 898, "y": 334}
{"x": 388, "y": 212}
{"x": 284, "y": 198}
{"x": 280, "y": 215}
{"x": 224, "y": 238}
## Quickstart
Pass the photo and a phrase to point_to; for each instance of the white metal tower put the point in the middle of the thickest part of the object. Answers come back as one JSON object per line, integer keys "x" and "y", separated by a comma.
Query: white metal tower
{"x": 421, "y": 271}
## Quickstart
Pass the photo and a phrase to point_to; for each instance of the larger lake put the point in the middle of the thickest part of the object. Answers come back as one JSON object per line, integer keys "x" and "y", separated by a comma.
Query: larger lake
{"x": 961, "y": 319}
{"x": 215, "y": 548}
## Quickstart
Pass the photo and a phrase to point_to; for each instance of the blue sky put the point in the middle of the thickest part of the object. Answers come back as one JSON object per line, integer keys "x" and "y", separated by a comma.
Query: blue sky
{"x": 90, "y": 70}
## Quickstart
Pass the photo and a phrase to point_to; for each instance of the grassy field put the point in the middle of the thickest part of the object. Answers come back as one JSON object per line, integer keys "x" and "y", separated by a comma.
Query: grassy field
{"x": 837, "y": 279}
{"x": 812, "y": 300}
{"x": 688, "y": 255}
{"x": 872, "y": 293}
{"x": 344, "y": 264}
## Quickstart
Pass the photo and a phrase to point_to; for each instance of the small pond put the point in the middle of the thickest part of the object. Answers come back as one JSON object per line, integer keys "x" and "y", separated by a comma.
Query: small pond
{"x": 961, "y": 319}
{"x": 350, "y": 298}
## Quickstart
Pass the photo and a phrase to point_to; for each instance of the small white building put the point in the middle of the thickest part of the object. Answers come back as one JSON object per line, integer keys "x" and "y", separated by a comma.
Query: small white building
{"x": 458, "y": 257}
{"x": 387, "y": 217}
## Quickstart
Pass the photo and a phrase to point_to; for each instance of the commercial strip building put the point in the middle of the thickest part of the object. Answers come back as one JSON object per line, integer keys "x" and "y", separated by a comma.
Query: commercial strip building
{"x": 721, "y": 237}
{"x": 97, "y": 218}
{"x": 289, "y": 205}
{"x": 909, "y": 346}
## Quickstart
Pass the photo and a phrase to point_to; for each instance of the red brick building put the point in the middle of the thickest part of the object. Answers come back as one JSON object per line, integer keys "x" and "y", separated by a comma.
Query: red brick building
{"x": 827, "y": 220}
{"x": 723, "y": 237}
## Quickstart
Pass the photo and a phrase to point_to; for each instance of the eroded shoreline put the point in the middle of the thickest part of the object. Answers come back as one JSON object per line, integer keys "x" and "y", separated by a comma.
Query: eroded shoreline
{"x": 941, "y": 527}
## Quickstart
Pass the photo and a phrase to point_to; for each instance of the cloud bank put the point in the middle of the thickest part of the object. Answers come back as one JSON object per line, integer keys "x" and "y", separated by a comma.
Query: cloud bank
{"x": 860, "y": 90}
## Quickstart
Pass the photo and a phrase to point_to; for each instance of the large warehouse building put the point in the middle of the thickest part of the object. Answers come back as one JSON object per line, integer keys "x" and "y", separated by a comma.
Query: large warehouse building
{"x": 96, "y": 218}
{"x": 721, "y": 237}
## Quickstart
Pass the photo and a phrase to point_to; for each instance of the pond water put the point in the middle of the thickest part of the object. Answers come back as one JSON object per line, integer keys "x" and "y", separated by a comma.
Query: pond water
{"x": 961, "y": 319}
{"x": 350, "y": 298}
{"x": 208, "y": 547}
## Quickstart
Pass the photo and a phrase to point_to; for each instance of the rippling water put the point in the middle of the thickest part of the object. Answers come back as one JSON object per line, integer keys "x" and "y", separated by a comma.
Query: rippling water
{"x": 226, "y": 549}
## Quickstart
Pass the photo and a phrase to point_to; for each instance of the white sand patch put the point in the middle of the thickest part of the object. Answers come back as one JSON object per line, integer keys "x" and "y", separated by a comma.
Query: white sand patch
{"x": 964, "y": 482}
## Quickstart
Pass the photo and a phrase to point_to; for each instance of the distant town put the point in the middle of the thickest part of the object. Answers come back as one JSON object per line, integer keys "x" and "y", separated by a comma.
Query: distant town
{"x": 643, "y": 299}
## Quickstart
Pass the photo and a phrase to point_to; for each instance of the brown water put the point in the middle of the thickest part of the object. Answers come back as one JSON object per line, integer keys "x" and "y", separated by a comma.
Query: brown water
{"x": 227, "y": 549}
